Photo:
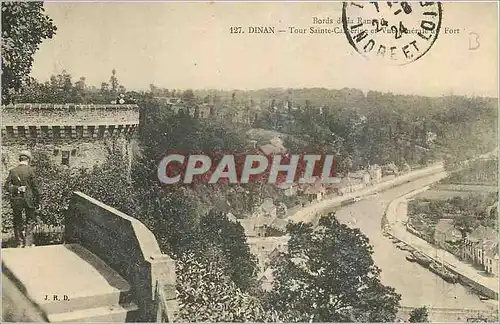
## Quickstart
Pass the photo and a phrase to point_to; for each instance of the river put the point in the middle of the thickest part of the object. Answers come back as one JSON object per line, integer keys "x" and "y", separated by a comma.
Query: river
{"x": 417, "y": 285}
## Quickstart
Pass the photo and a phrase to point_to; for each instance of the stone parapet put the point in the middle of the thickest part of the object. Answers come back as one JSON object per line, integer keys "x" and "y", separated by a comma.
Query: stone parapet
{"x": 128, "y": 247}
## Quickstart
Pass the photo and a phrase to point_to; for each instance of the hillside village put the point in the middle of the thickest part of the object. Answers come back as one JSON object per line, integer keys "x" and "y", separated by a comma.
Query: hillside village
{"x": 460, "y": 215}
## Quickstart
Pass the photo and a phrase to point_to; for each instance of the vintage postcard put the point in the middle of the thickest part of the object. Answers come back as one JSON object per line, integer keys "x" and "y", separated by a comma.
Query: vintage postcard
{"x": 249, "y": 161}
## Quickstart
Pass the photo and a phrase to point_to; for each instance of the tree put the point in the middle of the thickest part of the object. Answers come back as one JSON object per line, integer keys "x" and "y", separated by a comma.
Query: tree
{"x": 104, "y": 88}
{"x": 328, "y": 275}
{"x": 113, "y": 82}
{"x": 419, "y": 315}
{"x": 24, "y": 27}
{"x": 80, "y": 89}
{"x": 56, "y": 187}
{"x": 465, "y": 224}
{"x": 189, "y": 97}
{"x": 106, "y": 182}
{"x": 217, "y": 230}
{"x": 207, "y": 294}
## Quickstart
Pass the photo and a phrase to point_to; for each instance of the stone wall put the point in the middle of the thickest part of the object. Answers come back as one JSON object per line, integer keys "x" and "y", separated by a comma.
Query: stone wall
{"x": 76, "y": 152}
{"x": 129, "y": 248}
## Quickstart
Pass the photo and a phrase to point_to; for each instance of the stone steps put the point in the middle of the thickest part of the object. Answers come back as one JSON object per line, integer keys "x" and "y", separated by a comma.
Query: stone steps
{"x": 106, "y": 314}
{"x": 69, "y": 284}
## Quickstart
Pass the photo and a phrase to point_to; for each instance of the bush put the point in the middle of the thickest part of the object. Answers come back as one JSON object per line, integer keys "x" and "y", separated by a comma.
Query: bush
{"x": 207, "y": 294}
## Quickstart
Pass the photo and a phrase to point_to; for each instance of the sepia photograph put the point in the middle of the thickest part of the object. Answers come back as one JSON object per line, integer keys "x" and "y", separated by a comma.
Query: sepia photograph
{"x": 249, "y": 161}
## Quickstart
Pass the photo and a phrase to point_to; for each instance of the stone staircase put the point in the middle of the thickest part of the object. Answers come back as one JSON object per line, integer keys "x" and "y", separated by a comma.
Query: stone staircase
{"x": 67, "y": 283}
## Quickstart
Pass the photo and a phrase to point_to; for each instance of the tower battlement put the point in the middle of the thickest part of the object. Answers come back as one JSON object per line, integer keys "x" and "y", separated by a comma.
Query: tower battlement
{"x": 72, "y": 134}
{"x": 54, "y": 115}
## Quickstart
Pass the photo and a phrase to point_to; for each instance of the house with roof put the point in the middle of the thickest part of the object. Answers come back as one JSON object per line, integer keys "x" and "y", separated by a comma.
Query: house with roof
{"x": 204, "y": 111}
{"x": 231, "y": 217}
{"x": 390, "y": 169}
{"x": 362, "y": 175}
{"x": 267, "y": 248}
{"x": 264, "y": 221}
{"x": 347, "y": 185}
{"x": 375, "y": 173}
{"x": 266, "y": 209}
{"x": 445, "y": 232}
{"x": 315, "y": 191}
{"x": 491, "y": 260}
{"x": 275, "y": 146}
{"x": 477, "y": 243}
{"x": 289, "y": 188}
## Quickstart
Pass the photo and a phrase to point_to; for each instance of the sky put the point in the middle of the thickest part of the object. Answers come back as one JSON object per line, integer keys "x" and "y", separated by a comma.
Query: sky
{"x": 189, "y": 45}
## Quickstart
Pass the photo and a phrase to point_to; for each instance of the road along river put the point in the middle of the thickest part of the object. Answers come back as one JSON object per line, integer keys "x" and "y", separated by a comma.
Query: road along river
{"x": 417, "y": 285}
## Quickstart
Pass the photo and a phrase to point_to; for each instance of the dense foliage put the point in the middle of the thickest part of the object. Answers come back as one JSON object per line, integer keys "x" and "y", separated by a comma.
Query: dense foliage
{"x": 419, "y": 315}
{"x": 208, "y": 294}
{"x": 217, "y": 231}
{"x": 480, "y": 172}
{"x": 24, "y": 26}
{"x": 61, "y": 88}
{"x": 328, "y": 275}
{"x": 376, "y": 127}
{"x": 467, "y": 213}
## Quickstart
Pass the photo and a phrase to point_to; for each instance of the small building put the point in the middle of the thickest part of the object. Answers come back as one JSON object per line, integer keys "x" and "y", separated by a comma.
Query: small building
{"x": 266, "y": 249}
{"x": 445, "y": 232}
{"x": 179, "y": 108}
{"x": 266, "y": 209}
{"x": 491, "y": 259}
{"x": 346, "y": 185}
{"x": 390, "y": 169}
{"x": 275, "y": 146}
{"x": 264, "y": 221}
{"x": 364, "y": 176}
{"x": 289, "y": 188}
{"x": 476, "y": 244}
{"x": 315, "y": 192}
{"x": 375, "y": 173}
{"x": 204, "y": 111}
{"x": 231, "y": 217}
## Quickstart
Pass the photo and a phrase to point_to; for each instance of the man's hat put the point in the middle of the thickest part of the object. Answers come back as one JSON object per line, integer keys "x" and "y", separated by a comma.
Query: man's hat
{"x": 26, "y": 153}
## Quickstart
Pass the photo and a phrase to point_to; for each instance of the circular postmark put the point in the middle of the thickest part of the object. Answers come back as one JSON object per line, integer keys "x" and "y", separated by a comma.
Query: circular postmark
{"x": 394, "y": 32}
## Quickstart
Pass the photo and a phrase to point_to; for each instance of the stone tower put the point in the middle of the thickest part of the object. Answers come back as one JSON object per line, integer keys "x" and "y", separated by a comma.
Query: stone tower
{"x": 70, "y": 134}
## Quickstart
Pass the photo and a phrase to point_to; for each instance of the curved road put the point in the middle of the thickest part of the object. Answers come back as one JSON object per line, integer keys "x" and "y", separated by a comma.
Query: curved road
{"x": 417, "y": 285}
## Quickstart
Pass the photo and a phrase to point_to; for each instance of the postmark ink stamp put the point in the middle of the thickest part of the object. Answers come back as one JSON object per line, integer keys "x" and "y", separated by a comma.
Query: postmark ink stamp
{"x": 392, "y": 32}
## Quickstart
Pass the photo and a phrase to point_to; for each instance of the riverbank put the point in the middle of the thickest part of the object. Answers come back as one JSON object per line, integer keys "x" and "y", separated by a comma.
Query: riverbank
{"x": 395, "y": 219}
{"x": 307, "y": 213}
{"x": 417, "y": 285}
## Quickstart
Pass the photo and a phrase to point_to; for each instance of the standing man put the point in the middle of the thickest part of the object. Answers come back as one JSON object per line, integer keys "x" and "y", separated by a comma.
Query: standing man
{"x": 24, "y": 198}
